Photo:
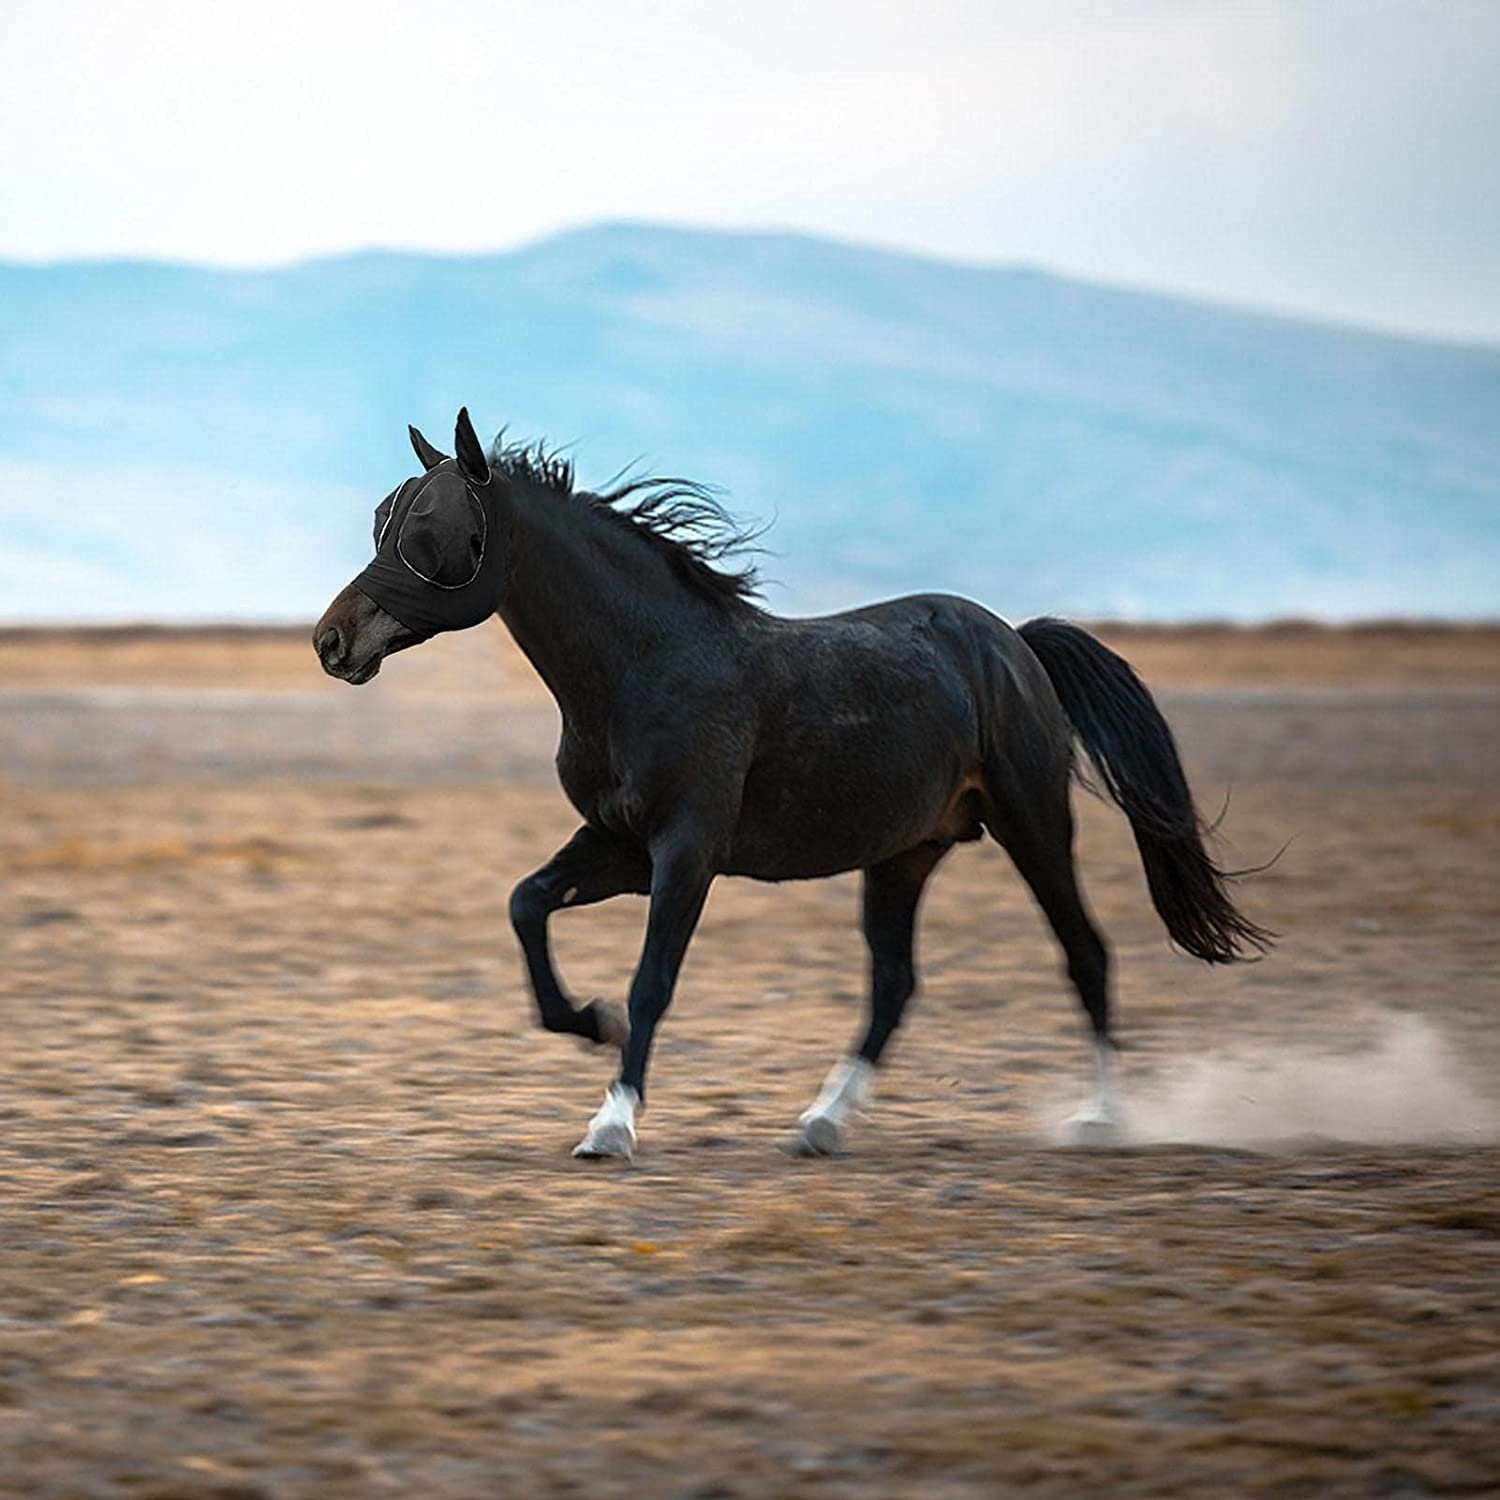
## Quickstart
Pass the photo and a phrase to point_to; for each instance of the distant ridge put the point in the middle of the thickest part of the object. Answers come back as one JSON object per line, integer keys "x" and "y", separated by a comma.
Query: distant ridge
{"x": 179, "y": 442}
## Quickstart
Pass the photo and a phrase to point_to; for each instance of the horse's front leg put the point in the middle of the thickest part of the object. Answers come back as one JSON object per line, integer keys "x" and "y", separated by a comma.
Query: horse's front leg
{"x": 592, "y": 866}
{"x": 682, "y": 872}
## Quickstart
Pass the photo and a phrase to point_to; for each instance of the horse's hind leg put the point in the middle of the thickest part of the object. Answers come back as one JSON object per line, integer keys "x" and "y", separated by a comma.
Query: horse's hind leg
{"x": 892, "y": 891}
{"x": 1036, "y": 830}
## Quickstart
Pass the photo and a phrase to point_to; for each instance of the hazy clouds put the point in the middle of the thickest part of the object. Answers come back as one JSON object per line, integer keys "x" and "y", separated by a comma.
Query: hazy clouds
{"x": 1336, "y": 158}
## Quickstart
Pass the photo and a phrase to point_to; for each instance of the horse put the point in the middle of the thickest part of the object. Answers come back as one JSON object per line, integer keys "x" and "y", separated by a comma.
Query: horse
{"x": 703, "y": 735}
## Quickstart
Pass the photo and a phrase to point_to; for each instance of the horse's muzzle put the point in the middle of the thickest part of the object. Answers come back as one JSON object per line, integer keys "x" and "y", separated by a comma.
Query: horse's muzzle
{"x": 355, "y": 635}
{"x": 337, "y": 659}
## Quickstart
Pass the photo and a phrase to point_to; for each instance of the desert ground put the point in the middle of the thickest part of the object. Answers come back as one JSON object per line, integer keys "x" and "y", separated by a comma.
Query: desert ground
{"x": 286, "y": 1201}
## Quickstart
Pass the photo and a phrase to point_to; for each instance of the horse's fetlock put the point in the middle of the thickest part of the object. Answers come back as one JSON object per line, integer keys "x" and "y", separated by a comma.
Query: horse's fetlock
{"x": 560, "y": 1017}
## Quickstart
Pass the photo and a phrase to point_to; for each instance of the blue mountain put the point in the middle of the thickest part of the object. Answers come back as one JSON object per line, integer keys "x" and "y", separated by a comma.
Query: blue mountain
{"x": 180, "y": 442}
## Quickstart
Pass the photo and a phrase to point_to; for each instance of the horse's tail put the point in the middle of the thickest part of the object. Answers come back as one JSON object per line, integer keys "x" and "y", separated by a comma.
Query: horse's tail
{"x": 1132, "y": 749}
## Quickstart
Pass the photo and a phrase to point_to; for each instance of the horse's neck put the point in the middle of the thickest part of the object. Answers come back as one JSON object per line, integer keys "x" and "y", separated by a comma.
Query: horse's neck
{"x": 578, "y": 617}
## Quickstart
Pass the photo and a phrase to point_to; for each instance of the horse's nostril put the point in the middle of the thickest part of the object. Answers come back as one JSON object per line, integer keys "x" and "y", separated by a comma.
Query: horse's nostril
{"x": 330, "y": 647}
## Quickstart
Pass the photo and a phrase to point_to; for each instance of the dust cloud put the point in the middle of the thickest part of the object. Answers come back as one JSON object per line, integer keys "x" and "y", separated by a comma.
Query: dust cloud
{"x": 1405, "y": 1087}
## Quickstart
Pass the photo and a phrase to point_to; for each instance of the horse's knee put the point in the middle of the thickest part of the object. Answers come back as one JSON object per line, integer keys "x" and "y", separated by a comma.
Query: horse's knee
{"x": 528, "y": 904}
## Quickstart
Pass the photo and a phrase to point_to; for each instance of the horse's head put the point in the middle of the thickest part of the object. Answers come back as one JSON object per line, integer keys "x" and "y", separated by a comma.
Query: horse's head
{"x": 436, "y": 565}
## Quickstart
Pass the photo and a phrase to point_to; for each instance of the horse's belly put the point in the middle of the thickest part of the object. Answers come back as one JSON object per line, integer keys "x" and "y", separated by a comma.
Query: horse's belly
{"x": 800, "y": 822}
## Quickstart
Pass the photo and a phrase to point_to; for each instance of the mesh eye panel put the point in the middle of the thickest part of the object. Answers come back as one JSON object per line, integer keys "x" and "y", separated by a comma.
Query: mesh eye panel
{"x": 442, "y": 536}
{"x": 434, "y": 568}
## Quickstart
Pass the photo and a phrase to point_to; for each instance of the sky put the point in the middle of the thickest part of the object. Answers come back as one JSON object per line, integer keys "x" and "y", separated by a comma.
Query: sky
{"x": 1332, "y": 158}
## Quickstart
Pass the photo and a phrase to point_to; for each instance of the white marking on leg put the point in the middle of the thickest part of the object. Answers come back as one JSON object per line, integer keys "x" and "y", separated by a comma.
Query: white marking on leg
{"x": 570, "y": 895}
{"x": 850, "y": 1083}
{"x": 612, "y": 1130}
{"x": 1105, "y": 1095}
{"x": 847, "y": 1089}
{"x": 1098, "y": 1122}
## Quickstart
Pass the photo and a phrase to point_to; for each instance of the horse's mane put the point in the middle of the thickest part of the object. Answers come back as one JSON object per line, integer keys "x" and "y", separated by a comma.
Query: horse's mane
{"x": 683, "y": 520}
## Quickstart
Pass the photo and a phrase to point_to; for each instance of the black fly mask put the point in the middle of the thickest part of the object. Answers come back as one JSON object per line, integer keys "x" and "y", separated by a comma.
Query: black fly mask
{"x": 437, "y": 544}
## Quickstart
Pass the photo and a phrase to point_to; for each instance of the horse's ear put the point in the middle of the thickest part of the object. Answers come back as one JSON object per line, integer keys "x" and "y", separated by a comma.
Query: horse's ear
{"x": 424, "y": 450}
{"x": 469, "y": 451}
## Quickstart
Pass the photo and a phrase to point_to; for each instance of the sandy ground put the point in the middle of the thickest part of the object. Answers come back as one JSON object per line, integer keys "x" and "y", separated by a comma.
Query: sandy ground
{"x": 286, "y": 1206}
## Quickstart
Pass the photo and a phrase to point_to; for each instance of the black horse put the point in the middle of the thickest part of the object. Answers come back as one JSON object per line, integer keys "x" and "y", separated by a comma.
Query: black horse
{"x": 704, "y": 736}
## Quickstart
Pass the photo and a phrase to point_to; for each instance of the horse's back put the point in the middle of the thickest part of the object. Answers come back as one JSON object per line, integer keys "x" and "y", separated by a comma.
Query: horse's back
{"x": 940, "y": 654}
{"x": 872, "y": 727}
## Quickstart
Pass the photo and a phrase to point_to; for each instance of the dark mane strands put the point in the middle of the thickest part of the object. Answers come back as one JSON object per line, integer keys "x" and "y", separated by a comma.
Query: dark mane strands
{"x": 532, "y": 463}
{"x": 679, "y": 517}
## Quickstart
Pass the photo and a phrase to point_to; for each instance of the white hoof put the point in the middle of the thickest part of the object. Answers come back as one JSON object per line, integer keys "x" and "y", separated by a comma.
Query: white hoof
{"x": 822, "y": 1126}
{"x": 817, "y": 1135}
{"x": 1093, "y": 1125}
{"x": 1098, "y": 1122}
{"x": 605, "y": 1142}
{"x": 611, "y": 1132}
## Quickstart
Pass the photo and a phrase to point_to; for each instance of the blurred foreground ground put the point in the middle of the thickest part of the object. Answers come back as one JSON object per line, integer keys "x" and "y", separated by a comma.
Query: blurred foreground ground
{"x": 286, "y": 1206}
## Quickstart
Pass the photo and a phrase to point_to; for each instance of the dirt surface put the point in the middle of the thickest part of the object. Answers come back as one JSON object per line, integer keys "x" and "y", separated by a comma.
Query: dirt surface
{"x": 286, "y": 1205}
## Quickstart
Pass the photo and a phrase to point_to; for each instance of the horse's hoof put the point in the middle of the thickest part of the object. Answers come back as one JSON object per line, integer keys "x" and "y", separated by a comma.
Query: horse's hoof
{"x": 614, "y": 1029}
{"x": 1092, "y": 1127}
{"x": 816, "y": 1135}
{"x": 605, "y": 1143}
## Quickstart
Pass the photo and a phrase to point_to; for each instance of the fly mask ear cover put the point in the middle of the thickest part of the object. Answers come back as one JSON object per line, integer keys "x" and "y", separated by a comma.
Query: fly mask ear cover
{"x": 437, "y": 556}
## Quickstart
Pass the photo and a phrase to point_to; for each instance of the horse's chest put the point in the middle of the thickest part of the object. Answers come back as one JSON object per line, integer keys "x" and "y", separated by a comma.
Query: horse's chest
{"x": 591, "y": 783}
